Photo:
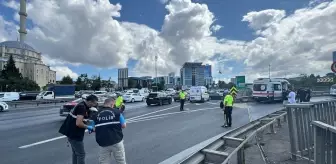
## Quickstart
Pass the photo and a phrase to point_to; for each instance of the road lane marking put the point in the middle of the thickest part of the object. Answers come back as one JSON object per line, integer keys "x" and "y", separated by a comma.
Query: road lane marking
{"x": 155, "y": 112}
{"x": 41, "y": 142}
{"x": 159, "y": 116}
{"x": 197, "y": 104}
{"x": 213, "y": 103}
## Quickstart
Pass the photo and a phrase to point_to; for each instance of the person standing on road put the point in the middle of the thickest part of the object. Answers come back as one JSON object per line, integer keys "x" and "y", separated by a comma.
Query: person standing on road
{"x": 109, "y": 136}
{"x": 182, "y": 96}
{"x": 228, "y": 104}
{"x": 74, "y": 127}
{"x": 291, "y": 96}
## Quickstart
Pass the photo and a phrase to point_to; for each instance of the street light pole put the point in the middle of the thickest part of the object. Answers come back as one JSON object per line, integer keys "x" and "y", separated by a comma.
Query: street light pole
{"x": 156, "y": 79}
{"x": 269, "y": 71}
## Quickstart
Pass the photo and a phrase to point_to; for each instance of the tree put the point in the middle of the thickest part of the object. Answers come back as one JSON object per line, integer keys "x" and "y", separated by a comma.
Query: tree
{"x": 11, "y": 79}
{"x": 66, "y": 80}
{"x": 10, "y": 70}
{"x": 96, "y": 83}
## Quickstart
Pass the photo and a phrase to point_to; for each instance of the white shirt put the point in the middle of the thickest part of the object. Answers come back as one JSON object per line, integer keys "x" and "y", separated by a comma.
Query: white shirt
{"x": 291, "y": 97}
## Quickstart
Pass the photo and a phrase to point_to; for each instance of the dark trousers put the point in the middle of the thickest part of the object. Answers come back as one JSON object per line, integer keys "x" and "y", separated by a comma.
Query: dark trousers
{"x": 78, "y": 152}
{"x": 182, "y": 104}
{"x": 228, "y": 115}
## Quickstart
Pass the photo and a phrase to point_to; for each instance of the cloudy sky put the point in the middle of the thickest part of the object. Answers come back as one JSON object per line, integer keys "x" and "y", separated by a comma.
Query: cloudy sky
{"x": 238, "y": 37}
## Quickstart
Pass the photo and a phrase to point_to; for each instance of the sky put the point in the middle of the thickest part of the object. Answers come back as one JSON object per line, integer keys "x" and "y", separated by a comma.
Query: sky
{"x": 237, "y": 37}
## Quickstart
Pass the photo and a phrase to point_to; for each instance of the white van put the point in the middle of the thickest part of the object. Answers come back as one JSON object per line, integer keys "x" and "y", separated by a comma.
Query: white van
{"x": 199, "y": 93}
{"x": 9, "y": 96}
{"x": 144, "y": 92}
{"x": 265, "y": 89}
{"x": 100, "y": 93}
{"x": 45, "y": 95}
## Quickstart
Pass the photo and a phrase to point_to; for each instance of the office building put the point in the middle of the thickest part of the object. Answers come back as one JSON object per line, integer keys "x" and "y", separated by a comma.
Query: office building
{"x": 207, "y": 74}
{"x": 171, "y": 78}
{"x": 192, "y": 74}
{"x": 123, "y": 78}
{"x": 27, "y": 59}
{"x": 233, "y": 80}
{"x": 161, "y": 79}
{"x": 177, "y": 80}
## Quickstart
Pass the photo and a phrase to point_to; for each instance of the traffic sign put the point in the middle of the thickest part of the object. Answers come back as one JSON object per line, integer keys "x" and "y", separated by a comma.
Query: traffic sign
{"x": 333, "y": 66}
{"x": 240, "y": 81}
{"x": 325, "y": 80}
{"x": 233, "y": 90}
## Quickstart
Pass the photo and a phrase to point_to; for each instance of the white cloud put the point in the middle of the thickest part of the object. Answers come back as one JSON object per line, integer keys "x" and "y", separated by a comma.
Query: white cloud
{"x": 85, "y": 32}
{"x": 64, "y": 71}
{"x": 216, "y": 28}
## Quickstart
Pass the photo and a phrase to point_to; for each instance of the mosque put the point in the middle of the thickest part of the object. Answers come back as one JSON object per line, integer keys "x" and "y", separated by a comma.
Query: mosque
{"x": 27, "y": 59}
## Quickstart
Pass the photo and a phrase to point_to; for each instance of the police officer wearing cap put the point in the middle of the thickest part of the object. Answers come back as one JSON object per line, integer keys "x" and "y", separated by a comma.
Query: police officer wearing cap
{"x": 75, "y": 125}
{"x": 108, "y": 128}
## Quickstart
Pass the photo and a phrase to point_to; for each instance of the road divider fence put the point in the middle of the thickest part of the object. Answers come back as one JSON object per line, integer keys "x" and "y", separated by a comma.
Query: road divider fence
{"x": 312, "y": 131}
{"x": 229, "y": 147}
{"x": 249, "y": 98}
{"x": 16, "y": 104}
{"x": 312, "y": 135}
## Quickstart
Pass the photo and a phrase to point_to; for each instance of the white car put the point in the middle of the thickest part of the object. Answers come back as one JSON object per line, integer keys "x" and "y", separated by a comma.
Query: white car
{"x": 3, "y": 106}
{"x": 133, "y": 97}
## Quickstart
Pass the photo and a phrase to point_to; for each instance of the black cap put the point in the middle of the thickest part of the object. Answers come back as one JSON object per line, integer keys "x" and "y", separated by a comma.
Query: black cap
{"x": 91, "y": 98}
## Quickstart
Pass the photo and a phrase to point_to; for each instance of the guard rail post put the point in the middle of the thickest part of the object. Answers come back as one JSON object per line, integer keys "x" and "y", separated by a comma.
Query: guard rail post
{"x": 325, "y": 143}
{"x": 301, "y": 131}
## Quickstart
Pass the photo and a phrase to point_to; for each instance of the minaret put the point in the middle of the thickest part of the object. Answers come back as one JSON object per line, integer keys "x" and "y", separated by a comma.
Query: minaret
{"x": 23, "y": 16}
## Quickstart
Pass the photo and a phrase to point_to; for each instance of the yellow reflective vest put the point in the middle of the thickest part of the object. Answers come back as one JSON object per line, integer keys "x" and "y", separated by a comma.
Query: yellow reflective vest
{"x": 228, "y": 100}
{"x": 182, "y": 95}
{"x": 119, "y": 101}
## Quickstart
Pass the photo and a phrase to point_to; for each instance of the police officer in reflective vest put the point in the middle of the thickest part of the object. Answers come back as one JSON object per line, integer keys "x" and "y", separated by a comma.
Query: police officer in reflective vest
{"x": 119, "y": 101}
{"x": 228, "y": 104}
{"x": 109, "y": 136}
{"x": 182, "y": 96}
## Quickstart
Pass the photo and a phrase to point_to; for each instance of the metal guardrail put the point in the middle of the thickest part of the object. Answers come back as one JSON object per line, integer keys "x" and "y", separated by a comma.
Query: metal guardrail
{"x": 247, "y": 98}
{"x": 228, "y": 147}
{"x": 325, "y": 143}
{"x": 15, "y": 104}
{"x": 301, "y": 131}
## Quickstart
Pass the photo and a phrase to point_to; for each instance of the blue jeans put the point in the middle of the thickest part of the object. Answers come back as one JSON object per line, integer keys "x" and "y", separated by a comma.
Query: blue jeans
{"x": 78, "y": 152}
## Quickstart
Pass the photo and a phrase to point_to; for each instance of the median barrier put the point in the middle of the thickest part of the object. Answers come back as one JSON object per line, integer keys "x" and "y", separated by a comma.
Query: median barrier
{"x": 15, "y": 104}
{"x": 311, "y": 128}
{"x": 229, "y": 147}
{"x": 312, "y": 135}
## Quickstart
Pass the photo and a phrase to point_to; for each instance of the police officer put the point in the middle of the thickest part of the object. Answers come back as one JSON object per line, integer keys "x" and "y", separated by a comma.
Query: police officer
{"x": 182, "y": 96}
{"x": 119, "y": 101}
{"x": 74, "y": 127}
{"x": 228, "y": 104}
{"x": 109, "y": 136}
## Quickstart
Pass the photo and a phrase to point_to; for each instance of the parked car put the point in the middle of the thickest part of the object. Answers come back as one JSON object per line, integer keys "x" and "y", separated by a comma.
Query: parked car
{"x": 158, "y": 98}
{"x": 9, "y": 96}
{"x": 3, "y": 106}
{"x": 66, "y": 108}
{"x": 133, "y": 97}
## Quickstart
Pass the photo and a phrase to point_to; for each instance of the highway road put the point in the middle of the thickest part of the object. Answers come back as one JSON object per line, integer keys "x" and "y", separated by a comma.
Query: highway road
{"x": 153, "y": 133}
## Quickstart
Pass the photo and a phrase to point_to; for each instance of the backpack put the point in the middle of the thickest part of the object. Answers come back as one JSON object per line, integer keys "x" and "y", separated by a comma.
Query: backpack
{"x": 221, "y": 105}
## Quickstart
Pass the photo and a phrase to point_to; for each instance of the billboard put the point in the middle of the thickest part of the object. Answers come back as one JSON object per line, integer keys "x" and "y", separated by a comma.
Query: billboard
{"x": 334, "y": 56}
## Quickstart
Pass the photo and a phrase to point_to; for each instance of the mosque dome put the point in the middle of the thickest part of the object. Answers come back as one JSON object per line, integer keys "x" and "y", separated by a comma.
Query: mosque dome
{"x": 17, "y": 44}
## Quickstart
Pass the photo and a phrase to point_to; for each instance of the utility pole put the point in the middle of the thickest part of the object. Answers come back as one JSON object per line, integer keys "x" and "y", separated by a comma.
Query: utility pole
{"x": 269, "y": 72}
{"x": 156, "y": 79}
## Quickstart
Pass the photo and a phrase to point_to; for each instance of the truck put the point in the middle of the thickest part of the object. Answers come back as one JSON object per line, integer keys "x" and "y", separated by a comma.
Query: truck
{"x": 269, "y": 89}
{"x": 57, "y": 91}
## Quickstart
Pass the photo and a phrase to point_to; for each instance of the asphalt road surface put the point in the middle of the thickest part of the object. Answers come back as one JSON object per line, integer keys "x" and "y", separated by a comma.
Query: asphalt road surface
{"x": 153, "y": 133}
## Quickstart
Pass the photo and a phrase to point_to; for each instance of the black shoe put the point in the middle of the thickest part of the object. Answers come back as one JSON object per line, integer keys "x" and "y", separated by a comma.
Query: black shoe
{"x": 223, "y": 126}
{"x": 227, "y": 126}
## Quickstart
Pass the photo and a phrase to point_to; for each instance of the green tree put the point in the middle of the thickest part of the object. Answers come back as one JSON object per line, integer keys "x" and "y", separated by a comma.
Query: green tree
{"x": 12, "y": 80}
{"x": 10, "y": 70}
{"x": 66, "y": 80}
{"x": 96, "y": 83}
